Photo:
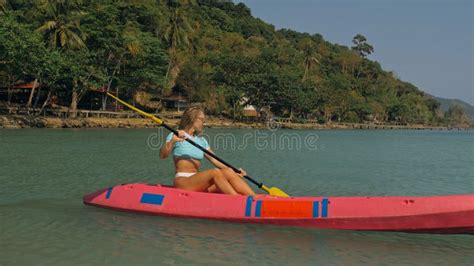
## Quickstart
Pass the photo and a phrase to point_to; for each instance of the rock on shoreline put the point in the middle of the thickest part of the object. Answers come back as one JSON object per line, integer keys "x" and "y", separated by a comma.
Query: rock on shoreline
{"x": 20, "y": 121}
{"x": 16, "y": 121}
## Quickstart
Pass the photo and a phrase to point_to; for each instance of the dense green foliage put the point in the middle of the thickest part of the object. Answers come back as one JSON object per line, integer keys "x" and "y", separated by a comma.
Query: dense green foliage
{"x": 212, "y": 51}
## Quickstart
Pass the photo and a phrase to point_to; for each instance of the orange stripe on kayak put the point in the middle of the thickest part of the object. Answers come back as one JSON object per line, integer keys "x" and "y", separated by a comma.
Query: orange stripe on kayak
{"x": 287, "y": 209}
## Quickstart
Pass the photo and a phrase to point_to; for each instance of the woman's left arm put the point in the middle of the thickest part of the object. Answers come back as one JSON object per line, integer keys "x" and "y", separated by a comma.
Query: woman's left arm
{"x": 215, "y": 162}
{"x": 220, "y": 165}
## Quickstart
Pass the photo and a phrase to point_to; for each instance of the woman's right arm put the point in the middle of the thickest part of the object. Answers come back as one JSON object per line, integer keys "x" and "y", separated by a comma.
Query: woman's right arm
{"x": 168, "y": 147}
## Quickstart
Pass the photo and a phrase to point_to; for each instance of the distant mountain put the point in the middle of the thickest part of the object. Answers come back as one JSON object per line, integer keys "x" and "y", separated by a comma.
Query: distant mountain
{"x": 446, "y": 103}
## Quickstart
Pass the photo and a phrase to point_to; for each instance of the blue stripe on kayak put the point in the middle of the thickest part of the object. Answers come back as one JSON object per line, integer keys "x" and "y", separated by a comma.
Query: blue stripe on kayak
{"x": 324, "y": 209}
{"x": 248, "y": 206}
{"x": 149, "y": 198}
{"x": 109, "y": 191}
{"x": 258, "y": 208}
{"x": 315, "y": 209}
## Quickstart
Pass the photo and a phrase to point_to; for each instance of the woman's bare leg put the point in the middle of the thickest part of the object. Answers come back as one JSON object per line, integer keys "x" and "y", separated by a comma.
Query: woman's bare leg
{"x": 213, "y": 189}
{"x": 205, "y": 179}
{"x": 237, "y": 182}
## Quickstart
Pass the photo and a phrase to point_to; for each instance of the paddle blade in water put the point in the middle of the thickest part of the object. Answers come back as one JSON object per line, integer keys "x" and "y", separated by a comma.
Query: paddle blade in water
{"x": 274, "y": 191}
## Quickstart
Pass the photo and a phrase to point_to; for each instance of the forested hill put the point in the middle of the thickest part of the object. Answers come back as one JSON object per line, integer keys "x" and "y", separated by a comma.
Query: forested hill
{"x": 212, "y": 51}
{"x": 449, "y": 104}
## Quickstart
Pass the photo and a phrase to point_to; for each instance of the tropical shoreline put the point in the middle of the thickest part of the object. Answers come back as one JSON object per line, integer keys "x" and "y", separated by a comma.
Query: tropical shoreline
{"x": 25, "y": 121}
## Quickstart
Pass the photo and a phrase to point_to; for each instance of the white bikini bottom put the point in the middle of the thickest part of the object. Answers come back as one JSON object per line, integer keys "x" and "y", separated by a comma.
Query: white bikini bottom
{"x": 184, "y": 174}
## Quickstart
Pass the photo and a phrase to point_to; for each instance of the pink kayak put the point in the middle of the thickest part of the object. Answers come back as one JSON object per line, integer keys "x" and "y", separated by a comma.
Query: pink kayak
{"x": 432, "y": 214}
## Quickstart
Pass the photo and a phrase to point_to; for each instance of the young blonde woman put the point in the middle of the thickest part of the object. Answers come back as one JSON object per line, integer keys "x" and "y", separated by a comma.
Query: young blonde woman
{"x": 187, "y": 160}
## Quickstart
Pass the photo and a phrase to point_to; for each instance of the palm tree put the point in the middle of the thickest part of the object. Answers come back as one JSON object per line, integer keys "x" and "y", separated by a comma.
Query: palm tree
{"x": 132, "y": 45}
{"x": 3, "y": 5}
{"x": 176, "y": 34}
{"x": 362, "y": 47}
{"x": 63, "y": 23}
{"x": 62, "y": 28}
{"x": 311, "y": 58}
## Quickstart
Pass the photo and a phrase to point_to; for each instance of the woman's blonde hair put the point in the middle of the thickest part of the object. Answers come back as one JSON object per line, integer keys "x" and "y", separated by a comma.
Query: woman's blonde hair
{"x": 189, "y": 116}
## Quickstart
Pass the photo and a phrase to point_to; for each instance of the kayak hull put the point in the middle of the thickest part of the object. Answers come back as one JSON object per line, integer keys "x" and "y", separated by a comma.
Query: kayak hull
{"x": 453, "y": 214}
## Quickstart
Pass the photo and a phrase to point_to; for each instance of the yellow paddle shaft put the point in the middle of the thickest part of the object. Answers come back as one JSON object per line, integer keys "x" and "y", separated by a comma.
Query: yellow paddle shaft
{"x": 145, "y": 114}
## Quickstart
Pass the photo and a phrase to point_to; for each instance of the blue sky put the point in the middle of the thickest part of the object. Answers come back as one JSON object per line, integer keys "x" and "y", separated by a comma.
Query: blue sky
{"x": 426, "y": 42}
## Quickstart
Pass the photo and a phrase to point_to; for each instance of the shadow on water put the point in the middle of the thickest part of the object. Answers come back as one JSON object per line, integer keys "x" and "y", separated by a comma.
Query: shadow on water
{"x": 179, "y": 240}
{"x": 53, "y": 231}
